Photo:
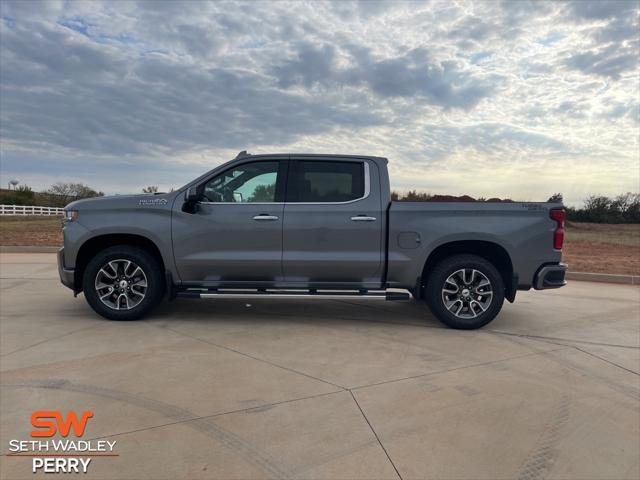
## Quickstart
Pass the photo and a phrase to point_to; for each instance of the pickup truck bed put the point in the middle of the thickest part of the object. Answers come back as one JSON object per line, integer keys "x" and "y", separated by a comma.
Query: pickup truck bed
{"x": 519, "y": 233}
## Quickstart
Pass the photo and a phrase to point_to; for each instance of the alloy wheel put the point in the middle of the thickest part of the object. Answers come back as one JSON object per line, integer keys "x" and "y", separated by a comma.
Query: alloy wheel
{"x": 121, "y": 284}
{"x": 467, "y": 293}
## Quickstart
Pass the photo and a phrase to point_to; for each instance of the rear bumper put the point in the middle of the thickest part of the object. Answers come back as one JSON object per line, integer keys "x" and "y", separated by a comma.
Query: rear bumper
{"x": 550, "y": 276}
{"x": 66, "y": 274}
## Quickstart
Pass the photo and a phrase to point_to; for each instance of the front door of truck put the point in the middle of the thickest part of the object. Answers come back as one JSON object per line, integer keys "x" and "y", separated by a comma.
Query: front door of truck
{"x": 333, "y": 223}
{"x": 235, "y": 232}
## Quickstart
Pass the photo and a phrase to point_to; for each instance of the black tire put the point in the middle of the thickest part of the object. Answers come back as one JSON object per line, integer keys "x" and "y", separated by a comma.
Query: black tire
{"x": 151, "y": 269}
{"x": 435, "y": 297}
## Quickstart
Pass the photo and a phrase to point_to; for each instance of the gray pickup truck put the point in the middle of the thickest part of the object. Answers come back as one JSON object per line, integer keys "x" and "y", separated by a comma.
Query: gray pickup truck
{"x": 322, "y": 226}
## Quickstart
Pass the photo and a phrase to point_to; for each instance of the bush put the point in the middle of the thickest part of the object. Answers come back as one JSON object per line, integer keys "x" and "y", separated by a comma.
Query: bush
{"x": 23, "y": 195}
{"x": 624, "y": 208}
{"x": 415, "y": 196}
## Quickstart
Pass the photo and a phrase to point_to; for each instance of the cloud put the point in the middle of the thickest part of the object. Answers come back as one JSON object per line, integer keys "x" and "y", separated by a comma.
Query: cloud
{"x": 311, "y": 65}
{"x": 409, "y": 75}
{"x": 163, "y": 90}
{"x": 473, "y": 28}
{"x": 614, "y": 30}
{"x": 62, "y": 89}
{"x": 606, "y": 62}
{"x": 601, "y": 9}
{"x": 624, "y": 110}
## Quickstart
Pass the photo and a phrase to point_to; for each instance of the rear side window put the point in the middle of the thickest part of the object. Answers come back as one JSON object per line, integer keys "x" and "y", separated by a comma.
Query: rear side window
{"x": 317, "y": 181}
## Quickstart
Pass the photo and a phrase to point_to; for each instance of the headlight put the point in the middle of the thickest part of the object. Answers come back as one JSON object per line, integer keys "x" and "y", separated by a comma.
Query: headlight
{"x": 70, "y": 216}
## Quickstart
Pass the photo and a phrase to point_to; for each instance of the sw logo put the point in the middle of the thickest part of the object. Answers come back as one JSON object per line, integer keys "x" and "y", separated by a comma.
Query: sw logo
{"x": 61, "y": 455}
{"x": 44, "y": 420}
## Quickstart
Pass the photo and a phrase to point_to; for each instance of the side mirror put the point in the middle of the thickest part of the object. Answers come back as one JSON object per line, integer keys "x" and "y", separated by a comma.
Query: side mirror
{"x": 191, "y": 195}
{"x": 191, "y": 198}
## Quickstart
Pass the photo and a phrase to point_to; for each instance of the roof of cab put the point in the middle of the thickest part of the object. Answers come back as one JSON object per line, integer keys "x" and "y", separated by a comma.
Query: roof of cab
{"x": 243, "y": 154}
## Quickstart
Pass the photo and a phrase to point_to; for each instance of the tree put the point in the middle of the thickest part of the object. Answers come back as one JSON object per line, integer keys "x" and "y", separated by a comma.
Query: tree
{"x": 263, "y": 193}
{"x": 150, "y": 189}
{"x": 62, "y": 193}
{"x": 555, "y": 198}
{"x": 24, "y": 190}
{"x": 597, "y": 208}
{"x": 415, "y": 196}
{"x": 630, "y": 203}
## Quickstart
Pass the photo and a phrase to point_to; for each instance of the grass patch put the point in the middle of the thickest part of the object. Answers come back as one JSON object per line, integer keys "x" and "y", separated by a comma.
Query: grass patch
{"x": 31, "y": 230}
{"x": 602, "y": 248}
{"x": 614, "y": 234}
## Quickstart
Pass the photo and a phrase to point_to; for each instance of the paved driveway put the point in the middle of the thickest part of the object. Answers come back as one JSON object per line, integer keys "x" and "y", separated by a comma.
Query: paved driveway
{"x": 328, "y": 389}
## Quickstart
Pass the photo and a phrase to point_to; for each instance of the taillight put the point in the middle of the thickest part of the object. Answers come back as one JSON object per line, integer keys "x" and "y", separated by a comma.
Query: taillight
{"x": 557, "y": 214}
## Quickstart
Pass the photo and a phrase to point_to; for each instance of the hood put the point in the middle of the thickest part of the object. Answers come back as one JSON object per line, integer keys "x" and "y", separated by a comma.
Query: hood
{"x": 123, "y": 201}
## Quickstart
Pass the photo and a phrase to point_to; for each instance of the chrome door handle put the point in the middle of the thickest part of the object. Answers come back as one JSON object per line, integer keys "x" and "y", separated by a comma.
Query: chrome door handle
{"x": 363, "y": 218}
{"x": 264, "y": 217}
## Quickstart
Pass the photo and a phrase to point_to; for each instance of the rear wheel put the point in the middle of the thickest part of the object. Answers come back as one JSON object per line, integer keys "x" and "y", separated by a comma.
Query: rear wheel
{"x": 123, "y": 283}
{"x": 465, "y": 291}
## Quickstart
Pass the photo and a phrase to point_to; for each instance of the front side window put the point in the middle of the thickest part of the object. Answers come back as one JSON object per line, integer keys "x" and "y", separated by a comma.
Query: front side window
{"x": 317, "y": 181}
{"x": 246, "y": 183}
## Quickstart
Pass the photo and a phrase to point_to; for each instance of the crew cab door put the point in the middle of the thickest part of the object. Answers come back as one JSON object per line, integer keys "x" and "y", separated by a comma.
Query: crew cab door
{"x": 235, "y": 233}
{"x": 333, "y": 223}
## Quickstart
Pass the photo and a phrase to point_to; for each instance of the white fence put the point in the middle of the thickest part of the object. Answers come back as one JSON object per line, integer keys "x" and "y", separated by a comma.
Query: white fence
{"x": 29, "y": 210}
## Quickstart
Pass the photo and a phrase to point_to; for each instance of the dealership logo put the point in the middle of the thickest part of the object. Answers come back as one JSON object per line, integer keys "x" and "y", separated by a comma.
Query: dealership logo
{"x": 66, "y": 455}
{"x": 47, "y": 427}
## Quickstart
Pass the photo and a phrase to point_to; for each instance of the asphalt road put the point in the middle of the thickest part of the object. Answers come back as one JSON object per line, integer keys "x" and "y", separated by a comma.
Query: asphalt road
{"x": 327, "y": 389}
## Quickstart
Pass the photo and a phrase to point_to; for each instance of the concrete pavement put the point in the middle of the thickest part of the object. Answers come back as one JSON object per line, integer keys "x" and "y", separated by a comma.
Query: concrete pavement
{"x": 324, "y": 389}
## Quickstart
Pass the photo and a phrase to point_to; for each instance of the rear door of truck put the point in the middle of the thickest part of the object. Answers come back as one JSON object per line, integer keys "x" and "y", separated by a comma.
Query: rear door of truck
{"x": 333, "y": 223}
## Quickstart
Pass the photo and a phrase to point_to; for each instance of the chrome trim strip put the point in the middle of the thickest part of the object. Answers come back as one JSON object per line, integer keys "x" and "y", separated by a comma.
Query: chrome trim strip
{"x": 241, "y": 203}
{"x": 290, "y": 295}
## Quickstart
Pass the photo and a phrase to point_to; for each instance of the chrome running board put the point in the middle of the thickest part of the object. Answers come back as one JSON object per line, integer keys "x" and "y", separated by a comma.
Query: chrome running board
{"x": 288, "y": 294}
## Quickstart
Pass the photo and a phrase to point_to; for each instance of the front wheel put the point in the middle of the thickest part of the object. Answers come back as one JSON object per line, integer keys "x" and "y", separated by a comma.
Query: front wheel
{"x": 123, "y": 283}
{"x": 465, "y": 291}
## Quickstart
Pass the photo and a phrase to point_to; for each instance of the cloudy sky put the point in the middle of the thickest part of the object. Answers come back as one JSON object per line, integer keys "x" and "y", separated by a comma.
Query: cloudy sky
{"x": 519, "y": 99}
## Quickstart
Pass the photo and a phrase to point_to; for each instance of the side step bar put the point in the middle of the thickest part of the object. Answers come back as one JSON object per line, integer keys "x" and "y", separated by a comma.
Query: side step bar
{"x": 274, "y": 293}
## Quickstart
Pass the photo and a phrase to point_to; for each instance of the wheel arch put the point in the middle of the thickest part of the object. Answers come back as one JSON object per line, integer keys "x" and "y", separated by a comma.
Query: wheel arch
{"x": 100, "y": 242}
{"x": 490, "y": 251}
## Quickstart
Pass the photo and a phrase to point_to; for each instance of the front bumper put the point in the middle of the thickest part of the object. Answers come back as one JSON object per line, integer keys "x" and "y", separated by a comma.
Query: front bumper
{"x": 550, "y": 276}
{"x": 66, "y": 274}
